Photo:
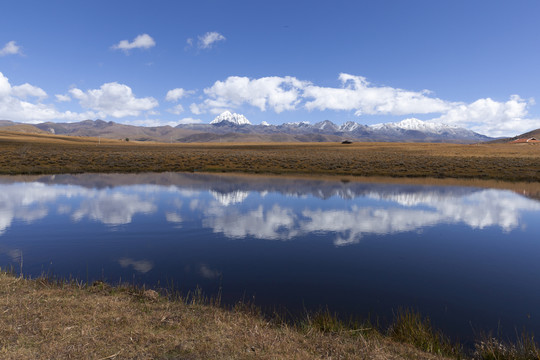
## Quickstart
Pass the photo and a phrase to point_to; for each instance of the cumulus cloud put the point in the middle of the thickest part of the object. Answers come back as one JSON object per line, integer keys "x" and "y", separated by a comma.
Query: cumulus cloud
{"x": 207, "y": 40}
{"x": 26, "y": 90}
{"x": 177, "y": 110}
{"x": 276, "y": 93}
{"x": 491, "y": 117}
{"x": 289, "y": 93}
{"x": 195, "y": 109}
{"x": 14, "y": 105}
{"x": 143, "y": 41}
{"x": 11, "y": 48}
{"x": 357, "y": 94}
{"x": 116, "y": 100}
{"x": 62, "y": 98}
{"x": 176, "y": 94}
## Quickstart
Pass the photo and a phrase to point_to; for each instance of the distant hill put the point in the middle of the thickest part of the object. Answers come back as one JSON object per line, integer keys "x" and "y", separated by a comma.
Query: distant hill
{"x": 22, "y": 128}
{"x": 229, "y": 127}
{"x": 527, "y": 135}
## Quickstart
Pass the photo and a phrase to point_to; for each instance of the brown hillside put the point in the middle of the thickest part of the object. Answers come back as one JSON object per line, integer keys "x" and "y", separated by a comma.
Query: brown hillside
{"x": 527, "y": 135}
{"x": 23, "y": 128}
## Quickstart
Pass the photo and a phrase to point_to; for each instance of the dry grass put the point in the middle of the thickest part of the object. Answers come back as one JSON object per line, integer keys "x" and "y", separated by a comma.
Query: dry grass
{"x": 44, "y": 320}
{"x": 47, "y": 154}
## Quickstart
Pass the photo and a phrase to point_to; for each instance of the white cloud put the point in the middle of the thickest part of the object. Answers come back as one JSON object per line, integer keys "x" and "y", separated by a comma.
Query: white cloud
{"x": 177, "y": 94}
{"x": 177, "y": 110}
{"x": 116, "y": 100}
{"x": 277, "y": 93}
{"x": 25, "y": 90}
{"x": 357, "y": 94}
{"x": 11, "y": 48}
{"x": 491, "y": 117}
{"x": 143, "y": 41}
{"x": 195, "y": 109}
{"x": 207, "y": 40}
{"x": 13, "y": 105}
{"x": 189, "y": 120}
{"x": 62, "y": 98}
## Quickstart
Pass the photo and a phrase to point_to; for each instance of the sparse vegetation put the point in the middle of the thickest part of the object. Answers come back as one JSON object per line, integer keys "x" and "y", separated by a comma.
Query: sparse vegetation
{"x": 48, "y": 154}
{"x": 45, "y": 318}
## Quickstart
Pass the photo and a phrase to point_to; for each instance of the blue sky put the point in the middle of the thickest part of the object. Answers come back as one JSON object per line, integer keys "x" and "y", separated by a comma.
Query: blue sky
{"x": 468, "y": 63}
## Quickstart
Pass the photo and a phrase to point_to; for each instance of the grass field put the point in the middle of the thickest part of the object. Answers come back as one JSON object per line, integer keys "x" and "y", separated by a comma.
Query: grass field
{"x": 40, "y": 319}
{"x": 49, "y": 154}
{"x": 51, "y": 319}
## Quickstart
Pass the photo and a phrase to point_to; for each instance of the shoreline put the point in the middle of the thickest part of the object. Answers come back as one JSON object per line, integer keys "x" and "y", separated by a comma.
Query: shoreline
{"x": 47, "y": 318}
{"x": 26, "y": 154}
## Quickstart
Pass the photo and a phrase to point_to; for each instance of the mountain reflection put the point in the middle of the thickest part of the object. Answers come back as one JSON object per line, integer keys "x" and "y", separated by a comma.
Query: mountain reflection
{"x": 258, "y": 208}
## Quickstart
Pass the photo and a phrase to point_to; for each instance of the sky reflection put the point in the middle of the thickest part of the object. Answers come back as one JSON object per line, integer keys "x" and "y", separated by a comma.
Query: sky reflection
{"x": 271, "y": 212}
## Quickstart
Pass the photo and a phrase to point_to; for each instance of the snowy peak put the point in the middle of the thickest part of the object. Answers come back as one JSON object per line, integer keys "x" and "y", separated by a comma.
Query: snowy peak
{"x": 349, "y": 126}
{"x": 416, "y": 125}
{"x": 326, "y": 125}
{"x": 227, "y": 116}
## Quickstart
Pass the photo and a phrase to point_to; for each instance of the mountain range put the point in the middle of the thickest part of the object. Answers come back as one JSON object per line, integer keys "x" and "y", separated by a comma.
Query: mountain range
{"x": 229, "y": 127}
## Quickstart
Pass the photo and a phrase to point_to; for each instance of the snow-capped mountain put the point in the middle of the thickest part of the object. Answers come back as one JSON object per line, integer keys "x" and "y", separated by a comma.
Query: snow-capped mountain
{"x": 235, "y": 127}
{"x": 416, "y": 125}
{"x": 349, "y": 126}
{"x": 326, "y": 125}
{"x": 236, "y": 119}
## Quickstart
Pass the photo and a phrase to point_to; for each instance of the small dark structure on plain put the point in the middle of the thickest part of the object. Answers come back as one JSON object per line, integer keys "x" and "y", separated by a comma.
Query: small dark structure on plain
{"x": 346, "y": 142}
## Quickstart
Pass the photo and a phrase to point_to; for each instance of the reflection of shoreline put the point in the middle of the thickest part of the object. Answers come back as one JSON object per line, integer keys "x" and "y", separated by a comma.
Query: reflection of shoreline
{"x": 367, "y": 208}
{"x": 197, "y": 180}
{"x": 392, "y": 213}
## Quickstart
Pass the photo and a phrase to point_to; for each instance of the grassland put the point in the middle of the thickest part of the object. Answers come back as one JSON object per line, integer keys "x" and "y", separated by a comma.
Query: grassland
{"x": 40, "y": 319}
{"x": 50, "y": 319}
{"x": 46, "y": 154}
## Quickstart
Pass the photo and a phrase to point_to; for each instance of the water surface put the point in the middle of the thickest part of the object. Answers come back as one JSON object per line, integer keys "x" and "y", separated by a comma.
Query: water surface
{"x": 467, "y": 257}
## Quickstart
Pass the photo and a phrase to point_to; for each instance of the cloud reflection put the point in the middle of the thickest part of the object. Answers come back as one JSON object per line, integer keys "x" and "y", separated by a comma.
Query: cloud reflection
{"x": 346, "y": 211}
{"x": 273, "y": 223}
{"x": 400, "y": 213}
{"x": 113, "y": 209}
{"x": 29, "y": 201}
{"x": 142, "y": 266}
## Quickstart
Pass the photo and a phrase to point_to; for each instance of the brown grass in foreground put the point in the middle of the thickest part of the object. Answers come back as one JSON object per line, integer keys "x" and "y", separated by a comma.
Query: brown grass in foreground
{"x": 48, "y": 154}
{"x": 40, "y": 319}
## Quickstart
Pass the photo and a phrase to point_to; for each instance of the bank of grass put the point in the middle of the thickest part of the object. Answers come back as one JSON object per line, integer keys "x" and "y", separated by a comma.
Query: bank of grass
{"x": 43, "y": 319}
{"x": 49, "y": 154}
{"x": 47, "y": 319}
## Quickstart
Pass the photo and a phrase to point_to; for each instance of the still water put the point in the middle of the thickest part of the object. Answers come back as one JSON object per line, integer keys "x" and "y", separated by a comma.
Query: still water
{"x": 467, "y": 257}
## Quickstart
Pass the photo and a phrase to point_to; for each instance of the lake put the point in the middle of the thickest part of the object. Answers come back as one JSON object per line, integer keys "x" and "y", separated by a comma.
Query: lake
{"x": 467, "y": 257}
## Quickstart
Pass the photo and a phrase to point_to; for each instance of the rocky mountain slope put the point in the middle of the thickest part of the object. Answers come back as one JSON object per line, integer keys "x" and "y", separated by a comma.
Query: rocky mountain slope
{"x": 231, "y": 127}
